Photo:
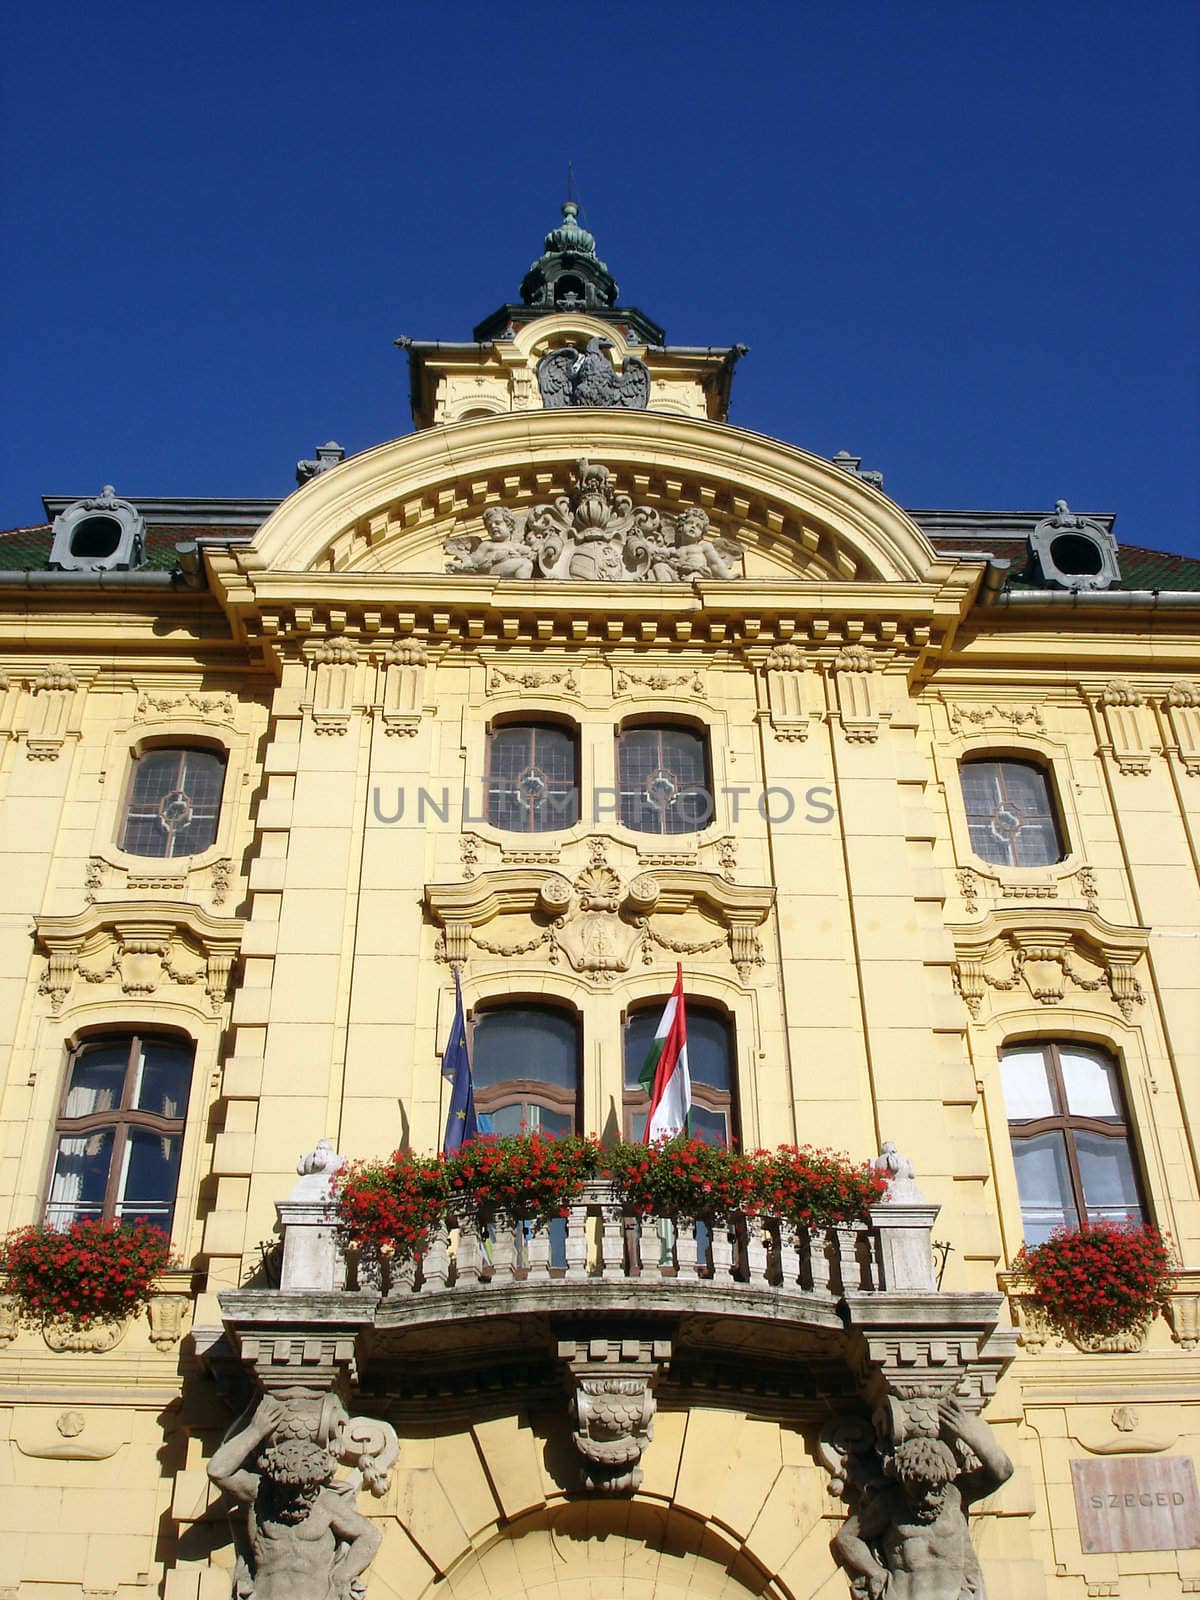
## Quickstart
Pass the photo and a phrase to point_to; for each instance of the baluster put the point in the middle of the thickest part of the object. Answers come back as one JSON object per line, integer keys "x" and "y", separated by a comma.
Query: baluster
{"x": 793, "y": 1242}
{"x": 469, "y": 1262}
{"x": 848, "y": 1271}
{"x": 818, "y": 1261}
{"x": 403, "y": 1276}
{"x": 504, "y": 1249}
{"x": 650, "y": 1247}
{"x": 722, "y": 1252}
{"x": 435, "y": 1269}
{"x": 869, "y": 1247}
{"x": 612, "y": 1242}
{"x": 577, "y": 1241}
{"x": 537, "y": 1252}
{"x": 756, "y": 1251}
{"x": 685, "y": 1248}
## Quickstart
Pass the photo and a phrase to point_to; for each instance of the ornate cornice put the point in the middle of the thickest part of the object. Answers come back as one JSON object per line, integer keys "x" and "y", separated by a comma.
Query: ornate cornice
{"x": 141, "y": 946}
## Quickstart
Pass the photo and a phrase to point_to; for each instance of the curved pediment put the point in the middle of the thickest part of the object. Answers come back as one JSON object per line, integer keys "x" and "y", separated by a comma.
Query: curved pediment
{"x": 788, "y": 515}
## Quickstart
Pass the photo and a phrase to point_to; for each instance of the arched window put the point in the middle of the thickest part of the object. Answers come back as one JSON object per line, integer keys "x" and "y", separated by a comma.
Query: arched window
{"x": 710, "y": 1066}
{"x": 532, "y": 781}
{"x": 173, "y": 802}
{"x": 1011, "y": 813}
{"x": 663, "y": 779}
{"x": 1071, "y": 1138}
{"x": 525, "y": 1065}
{"x": 120, "y": 1131}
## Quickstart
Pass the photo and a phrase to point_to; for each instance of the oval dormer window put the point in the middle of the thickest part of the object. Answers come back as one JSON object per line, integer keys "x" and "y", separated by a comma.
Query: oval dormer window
{"x": 1076, "y": 555}
{"x": 95, "y": 538}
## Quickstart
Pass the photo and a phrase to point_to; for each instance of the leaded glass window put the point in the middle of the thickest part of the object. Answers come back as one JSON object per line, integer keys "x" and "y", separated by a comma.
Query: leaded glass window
{"x": 663, "y": 780}
{"x": 173, "y": 802}
{"x": 1011, "y": 814}
{"x": 532, "y": 782}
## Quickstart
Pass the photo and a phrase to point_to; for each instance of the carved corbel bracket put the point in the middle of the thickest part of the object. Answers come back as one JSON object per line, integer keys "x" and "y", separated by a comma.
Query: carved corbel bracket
{"x": 140, "y": 945}
{"x": 333, "y": 667}
{"x": 784, "y": 673}
{"x": 853, "y": 671}
{"x": 52, "y": 710}
{"x": 1181, "y": 706}
{"x": 612, "y": 1406}
{"x": 921, "y": 1348}
{"x": 1127, "y": 719}
{"x": 403, "y": 667}
{"x": 1048, "y": 952}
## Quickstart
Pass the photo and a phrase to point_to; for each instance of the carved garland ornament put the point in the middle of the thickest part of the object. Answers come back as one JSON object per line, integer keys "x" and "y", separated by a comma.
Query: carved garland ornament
{"x": 1046, "y": 952}
{"x": 594, "y": 535}
{"x": 598, "y": 924}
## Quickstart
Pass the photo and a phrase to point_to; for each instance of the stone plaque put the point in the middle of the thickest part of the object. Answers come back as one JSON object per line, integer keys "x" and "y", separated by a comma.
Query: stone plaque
{"x": 1137, "y": 1503}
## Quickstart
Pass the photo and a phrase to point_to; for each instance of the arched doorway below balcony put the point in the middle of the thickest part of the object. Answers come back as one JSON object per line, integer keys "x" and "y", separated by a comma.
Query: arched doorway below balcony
{"x": 610, "y": 1549}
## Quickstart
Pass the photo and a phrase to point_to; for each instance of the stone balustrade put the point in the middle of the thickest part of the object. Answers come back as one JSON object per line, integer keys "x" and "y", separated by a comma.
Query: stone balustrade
{"x": 600, "y": 1239}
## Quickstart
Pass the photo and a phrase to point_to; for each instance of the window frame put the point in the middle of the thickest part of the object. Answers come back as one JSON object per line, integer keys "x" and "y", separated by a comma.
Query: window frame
{"x": 532, "y": 724}
{"x": 1067, "y": 1123}
{"x": 529, "y": 1091}
{"x": 148, "y": 748}
{"x": 702, "y": 733}
{"x": 120, "y": 1118}
{"x": 717, "y": 1101}
{"x": 1034, "y": 761}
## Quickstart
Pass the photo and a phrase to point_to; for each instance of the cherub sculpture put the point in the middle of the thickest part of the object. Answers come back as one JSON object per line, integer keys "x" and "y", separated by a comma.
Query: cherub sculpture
{"x": 694, "y": 553}
{"x": 908, "y": 1538}
{"x": 503, "y": 553}
{"x": 306, "y": 1539}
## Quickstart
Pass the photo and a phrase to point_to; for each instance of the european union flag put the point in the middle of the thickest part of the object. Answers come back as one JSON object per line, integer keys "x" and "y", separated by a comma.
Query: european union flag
{"x": 461, "y": 1124}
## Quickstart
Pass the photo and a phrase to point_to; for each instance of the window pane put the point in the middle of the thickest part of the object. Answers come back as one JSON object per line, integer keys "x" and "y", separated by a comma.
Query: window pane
{"x": 1044, "y": 1184}
{"x": 639, "y": 1035}
{"x": 150, "y": 1178}
{"x": 1091, "y": 1084}
{"x": 1026, "y": 788}
{"x": 80, "y": 1178}
{"x": 1026, "y": 1079}
{"x": 533, "y": 779}
{"x": 97, "y": 1080}
{"x": 163, "y": 1078}
{"x": 526, "y": 1042}
{"x": 1109, "y": 1182}
{"x": 708, "y": 1049}
{"x": 708, "y": 1039}
{"x": 711, "y": 1126}
{"x": 525, "y": 1117}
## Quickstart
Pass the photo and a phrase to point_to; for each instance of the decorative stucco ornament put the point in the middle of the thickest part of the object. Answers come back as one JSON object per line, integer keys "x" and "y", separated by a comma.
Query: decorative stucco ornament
{"x": 305, "y": 1539}
{"x": 910, "y": 1488}
{"x": 587, "y": 377}
{"x": 595, "y": 534}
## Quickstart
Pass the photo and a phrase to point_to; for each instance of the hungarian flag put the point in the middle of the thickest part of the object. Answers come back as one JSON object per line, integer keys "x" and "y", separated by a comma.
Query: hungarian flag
{"x": 665, "y": 1074}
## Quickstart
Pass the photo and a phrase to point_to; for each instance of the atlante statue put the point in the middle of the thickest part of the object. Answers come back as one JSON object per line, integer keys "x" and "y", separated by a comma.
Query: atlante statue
{"x": 587, "y": 377}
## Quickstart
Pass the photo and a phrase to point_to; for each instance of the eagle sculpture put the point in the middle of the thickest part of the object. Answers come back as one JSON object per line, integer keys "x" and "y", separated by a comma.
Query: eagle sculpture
{"x": 587, "y": 377}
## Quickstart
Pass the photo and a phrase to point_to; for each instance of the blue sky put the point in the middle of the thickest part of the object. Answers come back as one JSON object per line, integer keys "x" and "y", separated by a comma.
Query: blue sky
{"x": 961, "y": 240}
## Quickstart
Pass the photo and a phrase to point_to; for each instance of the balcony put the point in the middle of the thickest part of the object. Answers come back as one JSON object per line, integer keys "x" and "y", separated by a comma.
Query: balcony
{"x": 669, "y": 1310}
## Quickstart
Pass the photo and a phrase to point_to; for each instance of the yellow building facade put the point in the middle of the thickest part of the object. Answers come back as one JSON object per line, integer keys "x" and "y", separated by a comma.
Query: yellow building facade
{"x": 913, "y": 799}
